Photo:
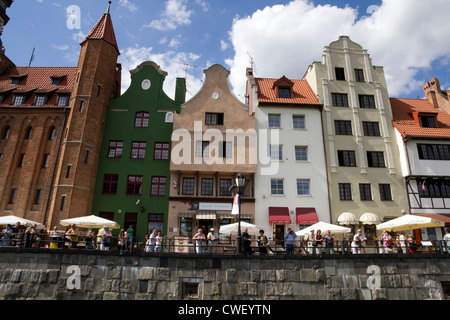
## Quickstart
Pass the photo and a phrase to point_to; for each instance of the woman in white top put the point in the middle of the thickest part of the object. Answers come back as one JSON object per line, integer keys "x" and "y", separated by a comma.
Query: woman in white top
{"x": 158, "y": 242}
{"x": 357, "y": 242}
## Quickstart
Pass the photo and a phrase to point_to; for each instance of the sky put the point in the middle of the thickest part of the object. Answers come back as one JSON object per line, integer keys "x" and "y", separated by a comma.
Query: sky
{"x": 185, "y": 37}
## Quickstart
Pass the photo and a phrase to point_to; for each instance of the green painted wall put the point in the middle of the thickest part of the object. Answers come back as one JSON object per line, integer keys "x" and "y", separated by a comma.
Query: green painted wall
{"x": 119, "y": 125}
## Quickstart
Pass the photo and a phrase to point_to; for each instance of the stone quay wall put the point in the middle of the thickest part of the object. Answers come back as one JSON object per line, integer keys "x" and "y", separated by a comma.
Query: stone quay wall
{"x": 55, "y": 274}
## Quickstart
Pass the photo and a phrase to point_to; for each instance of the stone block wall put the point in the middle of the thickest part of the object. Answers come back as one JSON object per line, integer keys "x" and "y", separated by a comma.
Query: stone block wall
{"x": 92, "y": 275}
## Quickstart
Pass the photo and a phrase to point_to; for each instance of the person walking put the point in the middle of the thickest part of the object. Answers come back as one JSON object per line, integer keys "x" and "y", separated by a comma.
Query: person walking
{"x": 289, "y": 239}
{"x": 212, "y": 238}
{"x": 198, "y": 238}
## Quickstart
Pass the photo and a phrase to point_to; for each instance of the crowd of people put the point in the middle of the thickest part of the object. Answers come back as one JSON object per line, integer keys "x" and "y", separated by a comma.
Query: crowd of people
{"x": 313, "y": 242}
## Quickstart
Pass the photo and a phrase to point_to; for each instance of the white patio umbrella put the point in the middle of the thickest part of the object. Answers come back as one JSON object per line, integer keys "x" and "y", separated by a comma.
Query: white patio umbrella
{"x": 12, "y": 220}
{"x": 231, "y": 229}
{"x": 410, "y": 222}
{"x": 370, "y": 218}
{"x": 346, "y": 218}
{"x": 323, "y": 227}
{"x": 93, "y": 222}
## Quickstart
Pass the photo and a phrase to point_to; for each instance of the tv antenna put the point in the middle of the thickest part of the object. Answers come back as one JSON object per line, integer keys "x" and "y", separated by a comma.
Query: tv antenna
{"x": 32, "y": 57}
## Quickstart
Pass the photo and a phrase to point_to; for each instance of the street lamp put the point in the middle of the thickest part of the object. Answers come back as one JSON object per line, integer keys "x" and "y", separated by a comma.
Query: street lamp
{"x": 240, "y": 184}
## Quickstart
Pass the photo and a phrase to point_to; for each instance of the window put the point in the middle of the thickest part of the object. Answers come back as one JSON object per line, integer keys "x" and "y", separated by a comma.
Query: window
{"x": 225, "y": 185}
{"x": 158, "y": 188}
{"x": 18, "y": 100}
{"x": 428, "y": 122}
{"x": 115, "y": 149}
{"x": 375, "y": 159}
{"x": 21, "y": 160}
{"x": 371, "y": 129}
{"x": 340, "y": 74}
{"x": 188, "y": 186}
{"x": 345, "y": 191}
{"x": 298, "y": 121}
{"x": 225, "y": 149}
{"x": 214, "y": 118}
{"x": 284, "y": 92}
{"x": 141, "y": 120}
{"x": 207, "y": 186}
{"x": 110, "y": 183}
{"x": 69, "y": 168}
{"x": 40, "y": 100}
{"x": 385, "y": 192}
{"x": 12, "y": 197}
{"x": 367, "y": 102}
{"x": 63, "y": 202}
{"x": 138, "y": 150}
{"x": 339, "y": 100}
{"x": 347, "y": 158}
{"x": 86, "y": 156}
{"x": 6, "y": 131}
{"x": 81, "y": 105}
{"x": 28, "y": 133}
{"x": 276, "y": 152}
{"x": 15, "y": 81}
{"x": 52, "y": 133}
{"x": 301, "y": 153}
{"x": 276, "y": 186}
{"x": 434, "y": 188}
{"x": 134, "y": 185}
{"x": 56, "y": 81}
{"x": 303, "y": 187}
{"x": 359, "y": 75}
{"x": 62, "y": 101}
{"x": 434, "y": 151}
{"x": 365, "y": 192}
{"x": 161, "y": 151}
{"x": 343, "y": 127}
{"x": 38, "y": 196}
{"x": 99, "y": 88}
{"x": 202, "y": 149}
{"x": 274, "y": 121}
{"x": 155, "y": 221}
{"x": 46, "y": 160}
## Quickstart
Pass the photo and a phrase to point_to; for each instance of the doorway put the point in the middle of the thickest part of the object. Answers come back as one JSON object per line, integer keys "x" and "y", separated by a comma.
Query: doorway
{"x": 278, "y": 234}
{"x": 205, "y": 225}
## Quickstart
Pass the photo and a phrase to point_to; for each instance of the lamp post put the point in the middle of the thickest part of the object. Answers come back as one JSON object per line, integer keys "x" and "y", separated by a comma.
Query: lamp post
{"x": 240, "y": 183}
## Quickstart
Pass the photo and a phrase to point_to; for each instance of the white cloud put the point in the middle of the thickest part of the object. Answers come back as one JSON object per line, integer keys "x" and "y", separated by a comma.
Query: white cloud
{"x": 79, "y": 36}
{"x": 128, "y": 5}
{"x": 175, "y": 15}
{"x": 174, "y": 43}
{"x": 402, "y": 35}
{"x": 224, "y": 45}
{"x": 176, "y": 64}
{"x": 203, "y": 5}
{"x": 60, "y": 47}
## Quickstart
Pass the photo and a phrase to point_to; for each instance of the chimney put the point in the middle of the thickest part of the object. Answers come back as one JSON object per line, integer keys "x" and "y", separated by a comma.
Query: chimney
{"x": 432, "y": 88}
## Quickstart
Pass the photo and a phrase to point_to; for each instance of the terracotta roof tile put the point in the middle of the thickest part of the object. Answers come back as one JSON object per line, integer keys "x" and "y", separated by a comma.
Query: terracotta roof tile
{"x": 301, "y": 92}
{"x": 402, "y": 112}
{"x": 103, "y": 30}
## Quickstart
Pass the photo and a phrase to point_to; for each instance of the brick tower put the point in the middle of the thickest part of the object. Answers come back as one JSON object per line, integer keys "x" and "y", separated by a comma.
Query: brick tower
{"x": 96, "y": 82}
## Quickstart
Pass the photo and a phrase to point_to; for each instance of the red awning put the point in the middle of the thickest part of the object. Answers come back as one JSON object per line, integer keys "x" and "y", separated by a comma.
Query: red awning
{"x": 306, "y": 215}
{"x": 279, "y": 215}
{"x": 438, "y": 216}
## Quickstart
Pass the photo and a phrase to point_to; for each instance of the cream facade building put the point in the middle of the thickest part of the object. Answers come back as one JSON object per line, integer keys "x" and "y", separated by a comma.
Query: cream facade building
{"x": 363, "y": 160}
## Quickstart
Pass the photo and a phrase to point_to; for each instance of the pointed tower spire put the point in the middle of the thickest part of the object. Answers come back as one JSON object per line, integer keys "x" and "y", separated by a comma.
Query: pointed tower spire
{"x": 103, "y": 30}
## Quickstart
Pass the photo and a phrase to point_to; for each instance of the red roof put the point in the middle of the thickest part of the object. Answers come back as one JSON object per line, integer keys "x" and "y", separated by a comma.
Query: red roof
{"x": 36, "y": 80}
{"x": 403, "y": 111}
{"x": 301, "y": 92}
{"x": 103, "y": 30}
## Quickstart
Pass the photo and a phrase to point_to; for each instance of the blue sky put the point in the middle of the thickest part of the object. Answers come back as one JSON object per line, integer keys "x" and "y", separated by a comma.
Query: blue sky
{"x": 281, "y": 37}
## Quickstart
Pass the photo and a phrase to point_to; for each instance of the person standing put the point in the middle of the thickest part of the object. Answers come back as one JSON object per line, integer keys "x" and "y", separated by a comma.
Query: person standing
{"x": 199, "y": 237}
{"x": 106, "y": 238}
{"x": 159, "y": 239}
{"x": 289, "y": 239}
{"x": 130, "y": 232}
{"x": 246, "y": 240}
{"x": 73, "y": 235}
{"x": 99, "y": 239}
{"x": 401, "y": 242}
{"x": 213, "y": 238}
{"x": 358, "y": 240}
{"x": 122, "y": 240}
{"x": 447, "y": 238}
{"x": 318, "y": 239}
{"x": 329, "y": 242}
{"x": 152, "y": 239}
{"x": 7, "y": 233}
{"x": 309, "y": 238}
{"x": 262, "y": 243}
{"x": 387, "y": 242}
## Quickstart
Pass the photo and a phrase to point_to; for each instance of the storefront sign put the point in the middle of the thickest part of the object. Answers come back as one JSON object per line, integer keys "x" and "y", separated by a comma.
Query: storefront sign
{"x": 215, "y": 206}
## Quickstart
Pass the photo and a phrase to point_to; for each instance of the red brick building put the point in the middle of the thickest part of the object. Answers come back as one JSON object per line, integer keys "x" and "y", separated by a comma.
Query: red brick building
{"x": 51, "y": 126}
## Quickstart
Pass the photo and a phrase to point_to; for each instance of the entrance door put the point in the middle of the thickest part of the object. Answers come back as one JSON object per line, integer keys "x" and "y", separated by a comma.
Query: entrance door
{"x": 130, "y": 220}
{"x": 205, "y": 225}
{"x": 278, "y": 230}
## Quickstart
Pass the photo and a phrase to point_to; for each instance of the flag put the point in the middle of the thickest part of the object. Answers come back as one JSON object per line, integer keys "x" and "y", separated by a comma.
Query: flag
{"x": 235, "y": 209}
{"x": 423, "y": 186}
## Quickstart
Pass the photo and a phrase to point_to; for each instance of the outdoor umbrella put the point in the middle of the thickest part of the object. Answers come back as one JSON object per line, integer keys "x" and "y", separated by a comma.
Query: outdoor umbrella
{"x": 347, "y": 218}
{"x": 323, "y": 227}
{"x": 410, "y": 222}
{"x": 12, "y": 220}
{"x": 92, "y": 222}
{"x": 231, "y": 229}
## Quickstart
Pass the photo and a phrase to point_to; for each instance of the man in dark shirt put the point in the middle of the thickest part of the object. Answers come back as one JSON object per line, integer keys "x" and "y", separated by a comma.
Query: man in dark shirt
{"x": 246, "y": 242}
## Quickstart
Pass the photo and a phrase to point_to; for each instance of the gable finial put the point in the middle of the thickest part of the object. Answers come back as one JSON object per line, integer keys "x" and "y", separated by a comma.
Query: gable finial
{"x": 109, "y": 7}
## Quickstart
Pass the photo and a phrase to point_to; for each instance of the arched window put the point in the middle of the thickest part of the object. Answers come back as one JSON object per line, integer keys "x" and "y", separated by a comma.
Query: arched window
{"x": 28, "y": 133}
{"x": 141, "y": 120}
{"x": 51, "y": 133}
{"x": 5, "y": 133}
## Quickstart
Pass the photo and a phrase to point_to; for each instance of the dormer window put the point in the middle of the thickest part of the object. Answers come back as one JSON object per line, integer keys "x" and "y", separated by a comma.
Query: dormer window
{"x": 62, "y": 100}
{"x": 428, "y": 121}
{"x": 56, "y": 80}
{"x": 40, "y": 100}
{"x": 18, "y": 100}
{"x": 283, "y": 87}
{"x": 15, "y": 80}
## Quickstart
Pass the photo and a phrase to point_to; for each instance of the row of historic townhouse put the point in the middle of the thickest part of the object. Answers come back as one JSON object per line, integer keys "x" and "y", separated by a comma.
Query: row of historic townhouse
{"x": 329, "y": 147}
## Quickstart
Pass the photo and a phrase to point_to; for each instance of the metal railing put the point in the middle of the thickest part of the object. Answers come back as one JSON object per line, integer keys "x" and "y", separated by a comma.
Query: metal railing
{"x": 186, "y": 246}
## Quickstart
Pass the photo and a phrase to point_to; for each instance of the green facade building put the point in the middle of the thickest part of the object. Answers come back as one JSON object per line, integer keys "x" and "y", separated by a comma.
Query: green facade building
{"x": 133, "y": 173}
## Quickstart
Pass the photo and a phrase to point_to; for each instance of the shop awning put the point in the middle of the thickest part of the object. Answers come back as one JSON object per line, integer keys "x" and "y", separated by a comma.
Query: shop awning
{"x": 306, "y": 215}
{"x": 441, "y": 217}
{"x": 206, "y": 216}
{"x": 279, "y": 215}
